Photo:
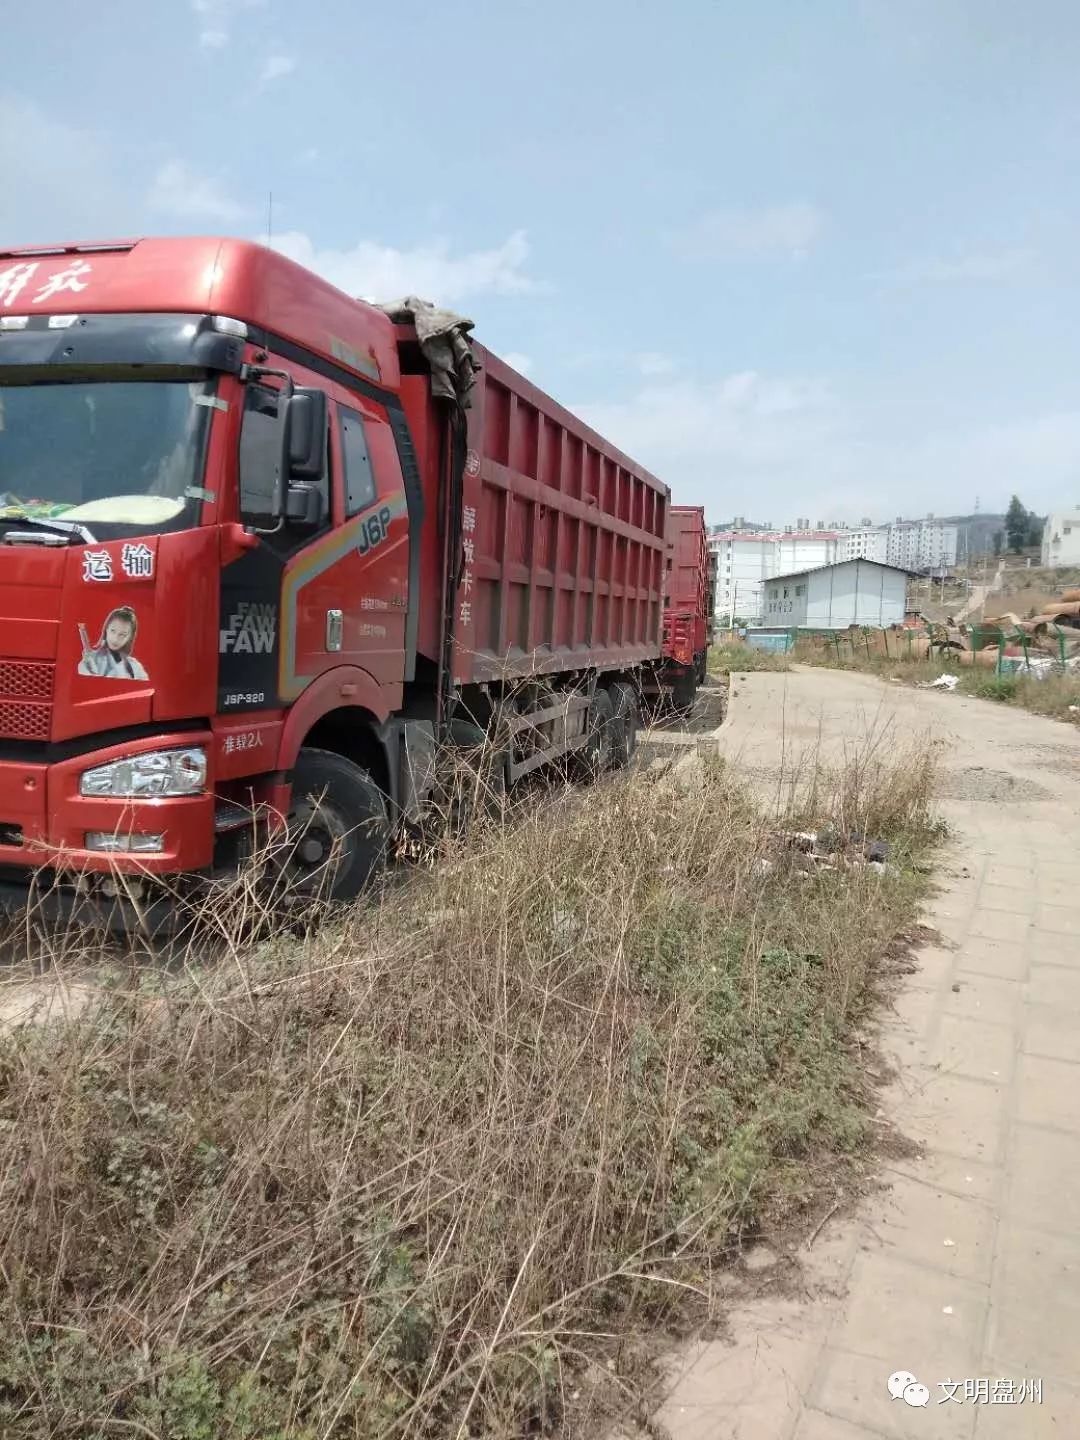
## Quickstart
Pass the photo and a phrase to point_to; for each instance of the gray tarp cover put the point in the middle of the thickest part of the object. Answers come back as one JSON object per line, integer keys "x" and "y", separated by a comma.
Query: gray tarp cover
{"x": 444, "y": 339}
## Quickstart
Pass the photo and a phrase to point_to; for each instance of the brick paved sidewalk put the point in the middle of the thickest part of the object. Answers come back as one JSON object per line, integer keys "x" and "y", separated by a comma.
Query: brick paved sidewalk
{"x": 968, "y": 1267}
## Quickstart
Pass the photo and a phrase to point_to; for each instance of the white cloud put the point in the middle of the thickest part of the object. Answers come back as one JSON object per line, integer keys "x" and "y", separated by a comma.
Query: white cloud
{"x": 652, "y": 363}
{"x": 744, "y": 421}
{"x": 428, "y": 271}
{"x": 521, "y": 363}
{"x": 974, "y": 267}
{"x": 178, "y": 190}
{"x": 216, "y": 17}
{"x": 773, "y": 447}
{"x": 743, "y": 234}
{"x": 275, "y": 68}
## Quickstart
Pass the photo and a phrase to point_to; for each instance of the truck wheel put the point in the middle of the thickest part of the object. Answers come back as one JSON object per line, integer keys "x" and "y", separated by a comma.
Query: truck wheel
{"x": 624, "y": 723}
{"x": 702, "y": 667}
{"x": 339, "y": 832}
{"x": 595, "y": 755}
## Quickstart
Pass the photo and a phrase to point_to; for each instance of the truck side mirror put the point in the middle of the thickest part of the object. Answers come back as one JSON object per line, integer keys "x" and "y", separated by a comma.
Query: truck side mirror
{"x": 307, "y": 427}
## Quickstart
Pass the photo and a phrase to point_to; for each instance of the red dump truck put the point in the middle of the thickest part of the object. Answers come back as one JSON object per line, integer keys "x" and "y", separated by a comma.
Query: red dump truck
{"x": 267, "y": 551}
{"x": 689, "y": 588}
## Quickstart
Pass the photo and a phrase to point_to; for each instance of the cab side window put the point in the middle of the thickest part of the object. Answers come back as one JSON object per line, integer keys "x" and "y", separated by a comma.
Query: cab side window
{"x": 260, "y": 452}
{"x": 359, "y": 478}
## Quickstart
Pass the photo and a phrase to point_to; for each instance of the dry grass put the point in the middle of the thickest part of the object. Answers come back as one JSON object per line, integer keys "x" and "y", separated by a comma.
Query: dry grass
{"x": 1031, "y": 591}
{"x": 741, "y": 659}
{"x": 413, "y": 1172}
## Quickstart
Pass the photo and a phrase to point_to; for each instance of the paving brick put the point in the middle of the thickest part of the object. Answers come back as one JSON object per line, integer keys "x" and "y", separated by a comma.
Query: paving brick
{"x": 896, "y": 1309}
{"x": 1013, "y": 876}
{"x": 963, "y": 1117}
{"x": 754, "y": 1387}
{"x": 971, "y": 1047}
{"x": 916, "y": 1221}
{"x": 935, "y": 968}
{"x": 1058, "y": 919}
{"x": 1035, "y": 1317}
{"x": 954, "y": 1174}
{"x": 1009, "y": 900}
{"x": 1048, "y": 1093}
{"x": 855, "y": 1388}
{"x": 1052, "y": 949}
{"x": 816, "y": 1425}
{"x": 1054, "y": 985}
{"x": 906, "y": 1040}
{"x": 985, "y": 997}
{"x": 1044, "y": 1164}
{"x": 1052, "y": 1032}
{"x": 1000, "y": 925}
{"x": 1004, "y": 958}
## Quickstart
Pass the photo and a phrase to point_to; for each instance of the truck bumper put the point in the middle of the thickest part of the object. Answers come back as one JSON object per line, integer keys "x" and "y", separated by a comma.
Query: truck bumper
{"x": 45, "y": 854}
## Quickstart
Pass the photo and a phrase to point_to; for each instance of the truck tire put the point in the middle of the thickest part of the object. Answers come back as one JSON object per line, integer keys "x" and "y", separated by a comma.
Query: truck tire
{"x": 624, "y": 723}
{"x": 339, "y": 831}
{"x": 595, "y": 755}
{"x": 702, "y": 667}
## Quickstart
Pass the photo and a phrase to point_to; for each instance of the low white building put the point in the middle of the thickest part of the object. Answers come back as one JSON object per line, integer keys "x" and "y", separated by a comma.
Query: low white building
{"x": 832, "y": 597}
{"x": 1061, "y": 539}
{"x": 746, "y": 559}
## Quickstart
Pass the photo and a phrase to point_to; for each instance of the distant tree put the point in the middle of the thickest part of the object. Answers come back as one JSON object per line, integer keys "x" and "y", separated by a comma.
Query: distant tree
{"x": 999, "y": 541}
{"x": 1035, "y": 529}
{"x": 1017, "y": 525}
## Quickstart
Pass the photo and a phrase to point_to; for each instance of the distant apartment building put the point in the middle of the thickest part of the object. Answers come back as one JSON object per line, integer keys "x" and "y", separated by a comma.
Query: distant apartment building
{"x": 921, "y": 544}
{"x": 1061, "y": 539}
{"x": 868, "y": 542}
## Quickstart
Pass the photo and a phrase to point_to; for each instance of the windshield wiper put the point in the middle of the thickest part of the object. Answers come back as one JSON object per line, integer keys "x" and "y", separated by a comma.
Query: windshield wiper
{"x": 57, "y": 532}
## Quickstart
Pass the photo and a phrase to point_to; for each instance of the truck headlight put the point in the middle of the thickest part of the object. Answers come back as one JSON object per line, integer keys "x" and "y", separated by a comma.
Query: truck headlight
{"x": 158, "y": 772}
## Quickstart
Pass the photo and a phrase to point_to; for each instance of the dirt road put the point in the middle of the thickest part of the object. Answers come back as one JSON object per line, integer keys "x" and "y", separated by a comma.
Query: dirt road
{"x": 980, "y": 593}
{"x": 967, "y": 1268}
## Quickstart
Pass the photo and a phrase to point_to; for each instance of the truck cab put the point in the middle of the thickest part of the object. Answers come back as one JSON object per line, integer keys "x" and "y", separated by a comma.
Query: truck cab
{"x": 204, "y": 546}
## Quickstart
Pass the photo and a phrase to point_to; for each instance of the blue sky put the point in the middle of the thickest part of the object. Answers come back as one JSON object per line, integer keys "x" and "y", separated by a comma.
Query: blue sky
{"x": 800, "y": 259}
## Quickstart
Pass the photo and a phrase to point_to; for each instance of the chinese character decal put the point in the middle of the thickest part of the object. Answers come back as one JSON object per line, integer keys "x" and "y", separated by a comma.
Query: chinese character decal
{"x": 97, "y": 565}
{"x": 137, "y": 561}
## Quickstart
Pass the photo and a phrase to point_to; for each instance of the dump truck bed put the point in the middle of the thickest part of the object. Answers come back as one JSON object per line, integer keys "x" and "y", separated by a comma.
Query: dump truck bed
{"x": 563, "y": 537}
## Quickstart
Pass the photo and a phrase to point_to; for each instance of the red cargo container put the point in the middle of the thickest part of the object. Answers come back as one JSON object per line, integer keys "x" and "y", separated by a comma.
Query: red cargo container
{"x": 563, "y": 537}
{"x": 687, "y": 605}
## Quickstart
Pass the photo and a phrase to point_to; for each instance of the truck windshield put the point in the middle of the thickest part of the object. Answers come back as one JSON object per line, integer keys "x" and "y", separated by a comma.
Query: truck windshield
{"x": 114, "y": 455}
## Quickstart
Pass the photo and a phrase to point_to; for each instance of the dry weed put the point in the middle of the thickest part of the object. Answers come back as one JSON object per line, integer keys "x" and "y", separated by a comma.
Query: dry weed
{"x": 404, "y": 1173}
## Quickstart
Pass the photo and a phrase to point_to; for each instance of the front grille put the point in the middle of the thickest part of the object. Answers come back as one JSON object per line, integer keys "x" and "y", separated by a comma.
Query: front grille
{"x": 26, "y": 693}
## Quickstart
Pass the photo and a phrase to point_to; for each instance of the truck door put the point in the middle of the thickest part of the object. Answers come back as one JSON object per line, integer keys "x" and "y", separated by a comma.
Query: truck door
{"x": 345, "y": 598}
